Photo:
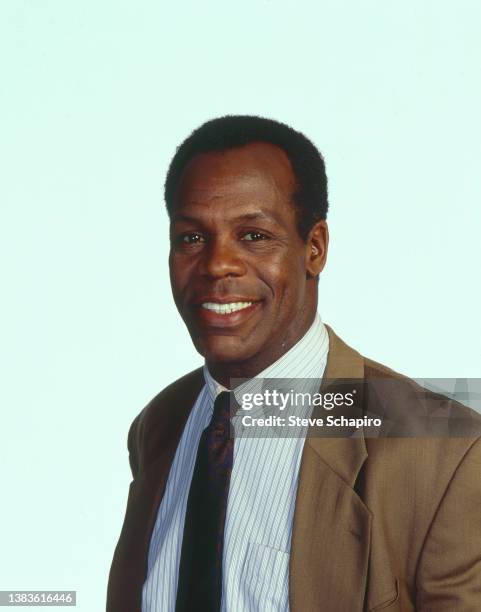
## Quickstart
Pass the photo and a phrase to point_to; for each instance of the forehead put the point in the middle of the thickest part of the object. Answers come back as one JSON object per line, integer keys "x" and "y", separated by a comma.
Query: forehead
{"x": 259, "y": 173}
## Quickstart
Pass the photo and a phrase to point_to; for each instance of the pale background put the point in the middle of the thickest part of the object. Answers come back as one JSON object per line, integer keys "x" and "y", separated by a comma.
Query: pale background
{"x": 95, "y": 96}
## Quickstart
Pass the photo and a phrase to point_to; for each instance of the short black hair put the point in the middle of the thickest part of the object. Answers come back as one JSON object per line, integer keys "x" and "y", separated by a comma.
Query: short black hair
{"x": 232, "y": 131}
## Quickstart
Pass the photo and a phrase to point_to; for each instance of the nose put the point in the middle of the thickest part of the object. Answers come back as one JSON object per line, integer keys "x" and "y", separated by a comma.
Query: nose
{"x": 221, "y": 258}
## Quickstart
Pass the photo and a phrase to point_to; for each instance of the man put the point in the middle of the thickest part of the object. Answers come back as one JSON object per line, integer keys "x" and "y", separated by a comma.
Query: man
{"x": 331, "y": 523}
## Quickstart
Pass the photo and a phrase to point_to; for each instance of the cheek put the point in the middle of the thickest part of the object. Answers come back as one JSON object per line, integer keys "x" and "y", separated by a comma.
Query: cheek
{"x": 179, "y": 274}
{"x": 286, "y": 280}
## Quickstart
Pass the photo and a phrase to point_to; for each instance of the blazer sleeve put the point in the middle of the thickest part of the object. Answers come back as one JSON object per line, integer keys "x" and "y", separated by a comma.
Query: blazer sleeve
{"x": 449, "y": 571}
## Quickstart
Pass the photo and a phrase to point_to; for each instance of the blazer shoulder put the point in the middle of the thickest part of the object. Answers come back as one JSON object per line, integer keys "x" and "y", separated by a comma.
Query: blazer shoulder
{"x": 376, "y": 371}
{"x": 174, "y": 400}
{"x": 430, "y": 418}
{"x": 373, "y": 369}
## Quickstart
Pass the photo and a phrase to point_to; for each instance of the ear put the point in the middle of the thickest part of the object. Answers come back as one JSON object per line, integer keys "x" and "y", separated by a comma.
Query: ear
{"x": 316, "y": 248}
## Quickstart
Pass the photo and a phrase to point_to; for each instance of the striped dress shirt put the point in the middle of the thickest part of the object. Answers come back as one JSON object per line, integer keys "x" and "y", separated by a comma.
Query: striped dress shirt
{"x": 260, "y": 508}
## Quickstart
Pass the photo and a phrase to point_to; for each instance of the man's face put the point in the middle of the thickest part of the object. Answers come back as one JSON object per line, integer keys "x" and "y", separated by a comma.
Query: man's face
{"x": 237, "y": 262}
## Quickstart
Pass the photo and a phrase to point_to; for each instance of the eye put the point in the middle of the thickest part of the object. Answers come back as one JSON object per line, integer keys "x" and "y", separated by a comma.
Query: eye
{"x": 254, "y": 236}
{"x": 191, "y": 238}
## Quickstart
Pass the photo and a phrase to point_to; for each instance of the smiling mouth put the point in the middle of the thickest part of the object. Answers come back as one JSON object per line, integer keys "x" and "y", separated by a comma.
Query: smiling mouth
{"x": 225, "y": 309}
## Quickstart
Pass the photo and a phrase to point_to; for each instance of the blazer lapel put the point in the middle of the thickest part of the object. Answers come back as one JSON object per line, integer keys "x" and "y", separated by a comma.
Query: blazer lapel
{"x": 332, "y": 526}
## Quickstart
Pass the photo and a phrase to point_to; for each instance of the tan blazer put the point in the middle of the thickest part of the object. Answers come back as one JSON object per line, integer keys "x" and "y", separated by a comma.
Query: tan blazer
{"x": 380, "y": 523}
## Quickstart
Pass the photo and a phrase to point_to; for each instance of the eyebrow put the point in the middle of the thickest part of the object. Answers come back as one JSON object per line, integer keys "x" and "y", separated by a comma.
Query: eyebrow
{"x": 255, "y": 216}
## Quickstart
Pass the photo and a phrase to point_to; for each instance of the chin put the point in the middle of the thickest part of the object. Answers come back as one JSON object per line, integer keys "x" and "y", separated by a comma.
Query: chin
{"x": 223, "y": 349}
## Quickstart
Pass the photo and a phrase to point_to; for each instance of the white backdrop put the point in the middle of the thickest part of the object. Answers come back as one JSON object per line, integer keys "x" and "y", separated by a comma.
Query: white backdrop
{"x": 94, "y": 98}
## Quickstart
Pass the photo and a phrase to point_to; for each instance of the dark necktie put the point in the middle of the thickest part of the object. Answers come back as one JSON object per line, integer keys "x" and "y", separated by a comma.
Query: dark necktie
{"x": 200, "y": 571}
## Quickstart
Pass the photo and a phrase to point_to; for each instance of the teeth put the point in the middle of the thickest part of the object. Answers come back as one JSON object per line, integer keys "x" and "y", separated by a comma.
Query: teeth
{"x": 225, "y": 308}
